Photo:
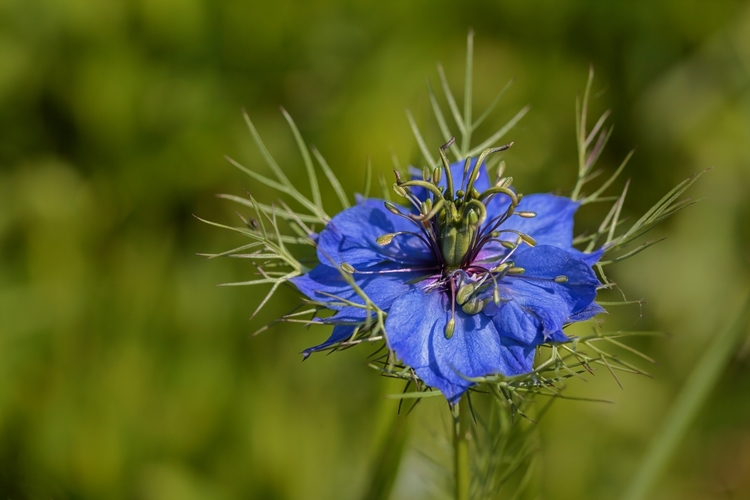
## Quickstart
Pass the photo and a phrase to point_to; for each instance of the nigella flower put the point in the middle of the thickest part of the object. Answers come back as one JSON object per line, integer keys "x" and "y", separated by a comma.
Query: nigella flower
{"x": 472, "y": 277}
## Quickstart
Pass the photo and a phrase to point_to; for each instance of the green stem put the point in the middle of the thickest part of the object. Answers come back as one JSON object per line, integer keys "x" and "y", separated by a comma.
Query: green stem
{"x": 461, "y": 448}
{"x": 684, "y": 410}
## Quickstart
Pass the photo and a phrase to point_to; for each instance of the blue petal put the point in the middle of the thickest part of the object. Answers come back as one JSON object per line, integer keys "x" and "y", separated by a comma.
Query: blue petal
{"x": 351, "y": 234}
{"x": 416, "y": 332}
{"x": 326, "y": 284}
{"x": 590, "y": 258}
{"x": 535, "y": 307}
{"x": 459, "y": 181}
{"x": 553, "y": 224}
{"x": 340, "y": 333}
{"x": 589, "y": 312}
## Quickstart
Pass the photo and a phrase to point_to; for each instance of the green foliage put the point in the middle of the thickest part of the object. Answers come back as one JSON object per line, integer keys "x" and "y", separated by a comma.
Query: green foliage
{"x": 127, "y": 374}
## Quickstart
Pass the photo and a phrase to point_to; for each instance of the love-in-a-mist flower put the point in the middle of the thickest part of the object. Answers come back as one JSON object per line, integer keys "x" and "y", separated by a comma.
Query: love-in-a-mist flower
{"x": 473, "y": 276}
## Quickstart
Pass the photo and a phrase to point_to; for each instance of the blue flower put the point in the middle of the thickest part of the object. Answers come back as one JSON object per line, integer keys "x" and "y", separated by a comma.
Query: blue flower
{"x": 472, "y": 279}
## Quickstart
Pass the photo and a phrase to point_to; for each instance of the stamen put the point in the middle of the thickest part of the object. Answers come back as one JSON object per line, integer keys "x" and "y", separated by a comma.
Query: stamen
{"x": 500, "y": 171}
{"x": 385, "y": 239}
{"x": 429, "y": 238}
{"x": 399, "y": 190}
{"x": 433, "y": 212}
{"x": 392, "y": 208}
{"x": 500, "y": 267}
{"x": 403, "y": 270}
{"x": 480, "y": 208}
{"x": 475, "y": 306}
{"x": 450, "y": 326}
{"x": 436, "y": 175}
{"x": 475, "y": 172}
{"x": 464, "y": 293}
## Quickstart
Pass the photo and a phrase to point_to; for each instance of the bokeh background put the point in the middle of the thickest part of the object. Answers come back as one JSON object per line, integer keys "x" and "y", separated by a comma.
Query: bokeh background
{"x": 126, "y": 373}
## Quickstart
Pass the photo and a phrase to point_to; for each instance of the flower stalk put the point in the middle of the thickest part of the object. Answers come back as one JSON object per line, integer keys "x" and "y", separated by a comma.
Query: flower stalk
{"x": 461, "y": 436}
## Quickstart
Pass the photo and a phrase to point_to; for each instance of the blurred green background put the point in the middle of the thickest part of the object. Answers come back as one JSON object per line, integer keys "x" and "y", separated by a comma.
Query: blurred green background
{"x": 126, "y": 373}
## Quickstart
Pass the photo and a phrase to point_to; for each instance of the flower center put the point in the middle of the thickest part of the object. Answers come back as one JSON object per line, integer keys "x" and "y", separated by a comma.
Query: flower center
{"x": 454, "y": 226}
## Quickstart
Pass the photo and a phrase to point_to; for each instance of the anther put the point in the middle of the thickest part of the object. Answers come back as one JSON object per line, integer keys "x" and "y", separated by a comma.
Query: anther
{"x": 449, "y": 328}
{"x": 508, "y": 244}
{"x": 561, "y": 279}
{"x": 464, "y": 292}
{"x": 500, "y": 268}
{"x": 437, "y": 174}
{"x": 392, "y": 208}
{"x": 526, "y": 215}
{"x": 528, "y": 239}
{"x": 348, "y": 268}
{"x": 384, "y": 239}
{"x": 516, "y": 270}
{"x": 399, "y": 190}
{"x": 426, "y": 173}
{"x": 475, "y": 306}
{"x": 500, "y": 170}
